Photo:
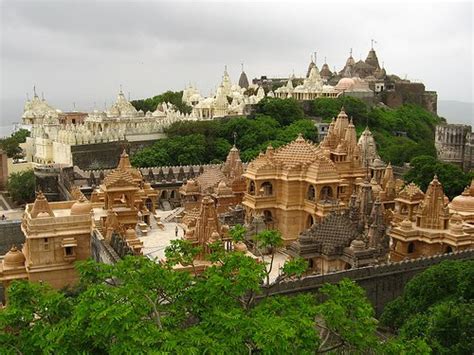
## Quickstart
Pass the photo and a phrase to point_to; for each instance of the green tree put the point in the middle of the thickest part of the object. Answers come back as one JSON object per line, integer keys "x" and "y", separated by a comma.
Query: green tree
{"x": 423, "y": 168}
{"x": 437, "y": 306}
{"x": 141, "y": 306}
{"x": 21, "y": 186}
{"x": 173, "y": 97}
{"x": 285, "y": 111}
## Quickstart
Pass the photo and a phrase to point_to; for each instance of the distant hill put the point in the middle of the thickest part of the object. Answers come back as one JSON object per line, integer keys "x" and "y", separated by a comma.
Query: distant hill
{"x": 456, "y": 111}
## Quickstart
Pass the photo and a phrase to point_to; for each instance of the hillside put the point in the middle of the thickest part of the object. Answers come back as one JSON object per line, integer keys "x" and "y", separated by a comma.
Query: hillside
{"x": 279, "y": 121}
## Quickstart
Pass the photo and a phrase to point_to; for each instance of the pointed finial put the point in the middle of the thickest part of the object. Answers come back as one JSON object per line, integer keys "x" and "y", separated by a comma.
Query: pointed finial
{"x": 350, "y": 53}
{"x": 235, "y": 138}
{"x": 74, "y": 106}
{"x": 325, "y": 61}
{"x": 242, "y": 65}
{"x": 372, "y": 41}
{"x": 34, "y": 91}
{"x": 121, "y": 89}
{"x": 315, "y": 57}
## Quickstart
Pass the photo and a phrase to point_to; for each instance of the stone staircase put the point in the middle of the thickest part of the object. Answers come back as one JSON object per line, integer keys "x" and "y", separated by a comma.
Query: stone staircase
{"x": 173, "y": 214}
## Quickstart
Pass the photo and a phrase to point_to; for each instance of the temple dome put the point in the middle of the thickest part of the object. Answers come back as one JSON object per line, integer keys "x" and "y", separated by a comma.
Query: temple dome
{"x": 463, "y": 203}
{"x": 83, "y": 206}
{"x": 344, "y": 84}
{"x": 14, "y": 258}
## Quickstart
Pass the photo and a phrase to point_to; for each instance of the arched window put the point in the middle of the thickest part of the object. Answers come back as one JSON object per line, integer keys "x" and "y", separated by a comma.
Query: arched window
{"x": 311, "y": 194}
{"x": 251, "y": 188}
{"x": 411, "y": 248}
{"x": 326, "y": 193}
{"x": 309, "y": 221}
{"x": 267, "y": 189}
{"x": 164, "y": 194}
{"x": 173, "y": 194}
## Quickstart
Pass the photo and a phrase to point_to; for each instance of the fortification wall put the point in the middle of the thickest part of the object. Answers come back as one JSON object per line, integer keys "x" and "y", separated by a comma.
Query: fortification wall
{"x": 382, "y": 283}
{"x": 10, "y": 234}
{"x": 103, "y": 155}
{"x": 101, "y": 251}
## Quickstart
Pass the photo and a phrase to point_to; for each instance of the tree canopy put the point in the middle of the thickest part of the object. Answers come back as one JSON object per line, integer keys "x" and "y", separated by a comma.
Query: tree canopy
{"x": 437, "y": 306}
{"x": 21, "y": 186}
{"x": 11, "y": 145}
{"x": 401, "y": 134}
{"x": 173, "y": 97}
{"x": 423, "y": 168}
{"x": 139, "y": 306}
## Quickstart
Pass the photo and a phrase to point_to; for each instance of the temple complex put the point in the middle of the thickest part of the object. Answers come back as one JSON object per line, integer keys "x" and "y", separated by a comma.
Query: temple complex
{"x": 299, "y": 183}
{"x": 427, "y": 224}
{"x": 343, "y": 240}
{"x": 57, "y": 234}
{"x": 224, "y": 184}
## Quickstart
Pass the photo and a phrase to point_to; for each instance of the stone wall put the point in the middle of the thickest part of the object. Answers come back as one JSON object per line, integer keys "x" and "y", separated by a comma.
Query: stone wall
{"x": 101, "y": 251}
{"x": 454, "y": 144}
{"x": 10, "y": 234}
{"x": 382, "y": 283}
{"x": 104, "y": 155}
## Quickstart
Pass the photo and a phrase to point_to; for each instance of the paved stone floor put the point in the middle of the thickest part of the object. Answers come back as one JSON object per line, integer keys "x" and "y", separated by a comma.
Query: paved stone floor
{"x": 157, "y": 240}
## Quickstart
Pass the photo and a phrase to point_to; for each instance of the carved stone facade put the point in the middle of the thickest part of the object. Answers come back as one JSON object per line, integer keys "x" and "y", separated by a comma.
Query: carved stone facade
{"x": 224, "y": 184}
{"x": 57, "y": 234}
{"x": 299, "y": 183}
{"x": 455, "y": 144}
{"x": 426, "y": 224}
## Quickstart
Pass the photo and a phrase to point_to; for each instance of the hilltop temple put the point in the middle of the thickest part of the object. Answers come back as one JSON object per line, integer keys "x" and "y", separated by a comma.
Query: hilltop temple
{"x": 300, "y": 183}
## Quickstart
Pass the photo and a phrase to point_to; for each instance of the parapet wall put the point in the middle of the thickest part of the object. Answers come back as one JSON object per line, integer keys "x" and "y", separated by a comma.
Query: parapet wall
{"x": 10, "y": 234}
{"x": 382, "y": 283}
{"x": 101, "y": 251}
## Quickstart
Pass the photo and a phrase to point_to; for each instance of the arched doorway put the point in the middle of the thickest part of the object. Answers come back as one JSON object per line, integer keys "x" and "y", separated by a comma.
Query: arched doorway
{"x": 251, "y": 189}
{"x": 411, "y": 248}
{"x": 309, "y": 221}
{"x": 449, "y": 249}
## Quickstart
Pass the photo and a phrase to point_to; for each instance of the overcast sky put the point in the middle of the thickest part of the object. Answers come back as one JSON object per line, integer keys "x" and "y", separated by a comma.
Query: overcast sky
{"x": 82, "y": 51}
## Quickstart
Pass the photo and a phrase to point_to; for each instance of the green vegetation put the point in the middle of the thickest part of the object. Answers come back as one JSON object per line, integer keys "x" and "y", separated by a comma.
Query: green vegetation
{"x": 278, "y": 121}
{"x": 21, "y": 186}
{"x": 387, "y": 126}
{"x": 210, "y": 141}
{"x": 11, "y": 145}
{"x": 423, "y": 168}
{"x": 437, "y": 306}
{"x": 140, "y": 306}
{"x": 173, "y": 97}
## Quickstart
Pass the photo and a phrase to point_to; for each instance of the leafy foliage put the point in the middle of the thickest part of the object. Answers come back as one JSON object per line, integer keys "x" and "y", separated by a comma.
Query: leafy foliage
{"x": 437, "y": 306}
{"x": 424, "y": 168}
{"x": 279, "y": 121}
{"x": 387, "y": 125}
{"x": 21, "y": 186}
{"x": 141, "y": 306}
{"x": 11, "y": 145}
{"x": 173, "y": 97}
{"x": 210, "y": 141}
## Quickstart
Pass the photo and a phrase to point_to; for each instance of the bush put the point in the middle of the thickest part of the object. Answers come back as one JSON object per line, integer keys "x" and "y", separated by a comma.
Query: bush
{"x": 21, "y": 186}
